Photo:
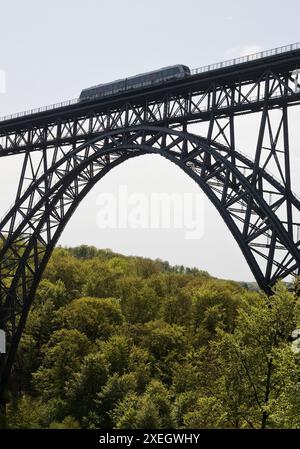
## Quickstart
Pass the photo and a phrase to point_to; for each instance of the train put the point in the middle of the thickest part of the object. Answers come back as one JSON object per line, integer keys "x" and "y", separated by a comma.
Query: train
{"x": 141, "y": 81}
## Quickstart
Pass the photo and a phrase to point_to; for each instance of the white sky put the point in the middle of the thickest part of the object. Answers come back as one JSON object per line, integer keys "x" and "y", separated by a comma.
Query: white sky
{"x": 51, "y": 50}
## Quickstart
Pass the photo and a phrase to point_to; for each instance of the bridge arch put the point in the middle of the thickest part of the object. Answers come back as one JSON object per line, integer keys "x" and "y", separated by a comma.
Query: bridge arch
{"x": 232, "y": 182}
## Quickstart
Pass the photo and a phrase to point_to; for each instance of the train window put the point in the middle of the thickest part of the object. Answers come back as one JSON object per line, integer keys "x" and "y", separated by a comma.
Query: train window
{"x": 129, "y": 82}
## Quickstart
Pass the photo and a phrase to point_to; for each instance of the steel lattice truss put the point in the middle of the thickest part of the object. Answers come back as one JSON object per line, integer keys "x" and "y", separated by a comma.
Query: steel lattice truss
{"x": 66, "y": 152}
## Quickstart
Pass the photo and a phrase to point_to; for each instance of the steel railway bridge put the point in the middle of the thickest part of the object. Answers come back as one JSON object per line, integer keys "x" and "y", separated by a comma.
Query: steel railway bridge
{"x": 67, "y": 148}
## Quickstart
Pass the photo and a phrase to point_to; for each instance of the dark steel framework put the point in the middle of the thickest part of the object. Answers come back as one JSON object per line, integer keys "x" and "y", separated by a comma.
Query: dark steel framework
{"x": 66, "y": 151}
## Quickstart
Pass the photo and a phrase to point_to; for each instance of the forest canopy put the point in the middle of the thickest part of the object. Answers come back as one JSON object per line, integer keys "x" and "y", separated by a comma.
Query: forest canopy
{"x": 128, "y": 342}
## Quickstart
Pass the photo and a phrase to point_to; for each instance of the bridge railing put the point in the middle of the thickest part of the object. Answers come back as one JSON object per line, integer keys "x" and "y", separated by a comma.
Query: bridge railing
{"x": 38, "y": 110}
{"x": 247, "y": 58}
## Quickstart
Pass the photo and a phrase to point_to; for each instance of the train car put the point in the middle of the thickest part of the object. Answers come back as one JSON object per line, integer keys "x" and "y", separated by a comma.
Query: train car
{"x": 136, "y": 82}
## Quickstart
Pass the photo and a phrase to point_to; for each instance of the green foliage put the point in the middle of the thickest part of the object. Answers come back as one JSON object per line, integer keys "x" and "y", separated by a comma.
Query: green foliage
{"x": 139, "y": 302}
{"x": 152, "y": 410}
{"x": 177, "y": 309}
{"x": 94, "y": 317}
{"x": 103, "y": 276}
{"x": 82, "y": 388}
{"x": 62, "y": 356}
{"x": 252, "y": 361}
{"x": 127, "y": 342}
{"x": 116, "y": 352}
{"x": 67, "y": 423}
{"x": 25, "y": 414}
{"x": 54, "y": 291}
{"x": 114, "y": 391}
{"x": 68, "y": 270}
{"x": 208, "y": 413}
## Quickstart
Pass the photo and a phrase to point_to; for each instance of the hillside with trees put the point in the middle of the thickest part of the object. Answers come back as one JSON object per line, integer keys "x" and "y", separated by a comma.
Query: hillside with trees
{"x": 128, "y": 342}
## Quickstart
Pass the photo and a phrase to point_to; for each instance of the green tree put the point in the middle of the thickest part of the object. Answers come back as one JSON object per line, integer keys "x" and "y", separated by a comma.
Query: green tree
{"x": 84, "y": 385}
{"x": 53, "y": 291}
{"x": 166, "y": 344}
{"x": 67, "y": 269}
{"x": 178, "y": 309}
{"x": 103, "y": 276}
{"x": 208, "y": 414}
{"x": 95, "y": 317}
{"x": 152, "y": 410}
{"x": 139, "y": 302}
{"x": 25, "y": 414}
{"x": 62, "y": 356}
{"x": 116, "y": 352}
{"x": 253, "y": 382}
{"x": 114, "y": 391}
{"x": 67, "y": 423}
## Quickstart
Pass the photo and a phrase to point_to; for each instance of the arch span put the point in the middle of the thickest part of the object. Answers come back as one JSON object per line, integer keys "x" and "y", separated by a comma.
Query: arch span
{"x": 236, "y": 186}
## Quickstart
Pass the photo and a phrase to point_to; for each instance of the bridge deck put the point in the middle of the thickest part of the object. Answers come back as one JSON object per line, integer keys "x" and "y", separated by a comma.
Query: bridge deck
{"x": 244, "y": 68}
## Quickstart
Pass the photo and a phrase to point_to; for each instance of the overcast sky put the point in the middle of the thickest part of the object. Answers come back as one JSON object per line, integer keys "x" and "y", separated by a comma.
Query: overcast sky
{"x": 51, "y": 50}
